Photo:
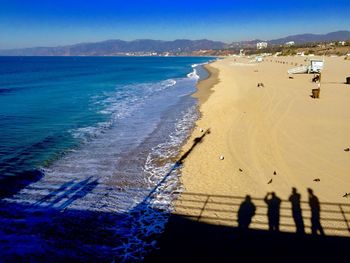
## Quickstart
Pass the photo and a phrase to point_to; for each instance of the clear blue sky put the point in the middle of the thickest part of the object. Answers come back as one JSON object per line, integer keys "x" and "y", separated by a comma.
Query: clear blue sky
{"x": 27, "y": 23}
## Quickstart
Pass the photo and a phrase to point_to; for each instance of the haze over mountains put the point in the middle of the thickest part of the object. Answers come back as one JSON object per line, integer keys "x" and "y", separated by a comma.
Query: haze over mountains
{"x": 111, "y": 47}
{"x": 120, "y": 47}
{"x": 309, "y": 38}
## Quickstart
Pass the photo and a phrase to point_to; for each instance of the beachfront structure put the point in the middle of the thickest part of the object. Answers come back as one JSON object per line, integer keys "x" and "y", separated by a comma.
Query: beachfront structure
{"x": 315, "y": 66}
{"x": 258, "y": 59}
{"x": 289, "y": 44}
{"x": 261, "y": 45}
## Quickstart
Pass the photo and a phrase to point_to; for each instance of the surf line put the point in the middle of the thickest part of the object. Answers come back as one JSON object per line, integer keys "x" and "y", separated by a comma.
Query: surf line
{"x": 177, "y": 164}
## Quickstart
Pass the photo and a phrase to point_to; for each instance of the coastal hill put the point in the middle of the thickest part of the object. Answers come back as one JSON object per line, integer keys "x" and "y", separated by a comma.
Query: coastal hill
{"x": 148, "y": 46}
{"x": 118, "y": 47}
{"x": 298, "y": 39}
{"x": 309, "y": 38}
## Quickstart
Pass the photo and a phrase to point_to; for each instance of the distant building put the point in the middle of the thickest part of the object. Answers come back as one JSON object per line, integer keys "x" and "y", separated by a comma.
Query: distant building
{"x": 241, "y": 52}
{"x": 316, "y": 65}
{"x": 342, "y": 43}
{"x": 258, "y": 59}
{"x": 290, "y": 43}
{"x": 261, "y": 45}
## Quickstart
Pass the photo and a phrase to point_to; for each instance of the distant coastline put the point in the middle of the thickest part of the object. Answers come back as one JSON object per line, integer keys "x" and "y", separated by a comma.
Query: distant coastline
{"x": 179, "y": 47}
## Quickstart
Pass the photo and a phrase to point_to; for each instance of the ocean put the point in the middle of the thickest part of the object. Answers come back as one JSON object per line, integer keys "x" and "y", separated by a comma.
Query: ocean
{"x": 88, "y": 149}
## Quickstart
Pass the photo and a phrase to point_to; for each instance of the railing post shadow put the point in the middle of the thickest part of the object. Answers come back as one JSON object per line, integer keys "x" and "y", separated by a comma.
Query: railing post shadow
{"x": 346, "y": 221}
{"x": 203, "y": 208}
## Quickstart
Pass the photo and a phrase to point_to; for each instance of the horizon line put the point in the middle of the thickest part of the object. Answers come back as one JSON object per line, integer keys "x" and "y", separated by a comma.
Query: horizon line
{"x": 140, "y": 39}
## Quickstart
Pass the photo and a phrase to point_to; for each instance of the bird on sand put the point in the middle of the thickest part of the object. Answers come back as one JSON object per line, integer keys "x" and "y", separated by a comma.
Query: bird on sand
{"x": 347, "y": 150}
{"x": 346, "y": 195}
{"x": 240, "y": 170}
{"x": 269, "y": 182}
{"x": 274, "y": 173}
{"x": 317, "y": 180}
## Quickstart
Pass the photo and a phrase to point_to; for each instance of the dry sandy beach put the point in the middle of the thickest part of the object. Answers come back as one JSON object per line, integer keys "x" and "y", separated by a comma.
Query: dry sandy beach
{"x": 273, "y": 132}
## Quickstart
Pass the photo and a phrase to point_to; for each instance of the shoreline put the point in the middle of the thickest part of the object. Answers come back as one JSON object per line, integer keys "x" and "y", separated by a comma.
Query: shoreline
{"x": 205, "y": 86}
{"x": 277, "y": 132}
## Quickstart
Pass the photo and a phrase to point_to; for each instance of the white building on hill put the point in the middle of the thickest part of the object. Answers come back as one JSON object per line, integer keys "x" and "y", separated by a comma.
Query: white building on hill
{"x": 290, "y": 43}
{"x": 261, "y": 45}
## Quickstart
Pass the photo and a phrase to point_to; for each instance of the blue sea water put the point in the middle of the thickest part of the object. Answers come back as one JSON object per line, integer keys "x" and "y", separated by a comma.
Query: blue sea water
{"x": 44, "y": 101}
{"x": 93, "y": 134}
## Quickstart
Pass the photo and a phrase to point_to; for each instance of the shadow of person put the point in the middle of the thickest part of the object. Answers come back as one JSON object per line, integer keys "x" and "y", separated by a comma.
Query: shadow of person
{"x": 245, "y": 214}
{"x": 273, "y": 211}
{"x": 315, "y": 213}
{"x": 294, "y": 198}
{"x": 195, "y": 142}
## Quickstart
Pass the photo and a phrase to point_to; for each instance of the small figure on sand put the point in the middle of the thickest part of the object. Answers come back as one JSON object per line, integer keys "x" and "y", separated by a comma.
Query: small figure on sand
{"x": 316, "y": 78}
{"x": 273, "y": 211}
{"x": 294, "y": 198}
{"x": 314, "y": 204}
{"x": 245, "y": 213}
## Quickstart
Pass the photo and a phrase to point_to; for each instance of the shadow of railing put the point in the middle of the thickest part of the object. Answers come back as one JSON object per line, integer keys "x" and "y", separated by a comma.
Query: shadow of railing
{"x": 187, "y": 240}
{"x": 204, "y": 228}
{"x": 73, "y": 229}
{"x": 10, "y": 185}
{"x": 223, "y": 209}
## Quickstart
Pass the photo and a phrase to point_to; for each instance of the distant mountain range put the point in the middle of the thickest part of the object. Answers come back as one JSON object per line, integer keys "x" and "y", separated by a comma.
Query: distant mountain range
{"x": 115, "y": 47}
{"x": 309, "y": 38}
{"x": 300, "y": 39}
{"x": 119, "y": 47}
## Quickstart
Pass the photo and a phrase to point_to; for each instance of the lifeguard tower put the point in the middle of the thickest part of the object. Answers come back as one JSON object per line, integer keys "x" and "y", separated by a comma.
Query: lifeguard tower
{"x": 315, "y": 66}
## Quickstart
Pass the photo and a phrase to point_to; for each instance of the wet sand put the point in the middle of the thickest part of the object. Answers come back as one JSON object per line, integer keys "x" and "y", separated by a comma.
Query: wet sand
{"x": 205, "y": 87}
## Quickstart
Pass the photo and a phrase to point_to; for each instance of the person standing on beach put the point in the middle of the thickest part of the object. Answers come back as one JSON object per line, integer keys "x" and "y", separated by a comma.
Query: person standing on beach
{"x": 245, "y": 213}
{"x": 315, "y": 213}
{"x": 296, "y": 211}
{"x": 273, "y": 211}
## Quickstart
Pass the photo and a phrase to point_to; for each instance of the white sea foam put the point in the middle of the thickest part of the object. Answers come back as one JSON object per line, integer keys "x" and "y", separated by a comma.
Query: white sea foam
{"x": 169, "y": 149}
{"x": 199, "y": 64}
{"x": 120, "y": 104}
{"x": 193, "y": 75}
{"x": 204, "y": 63}
{"x": 87, "y": 179}
{"x": 154, "y": 214}
{"x": 86, "y": 134}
